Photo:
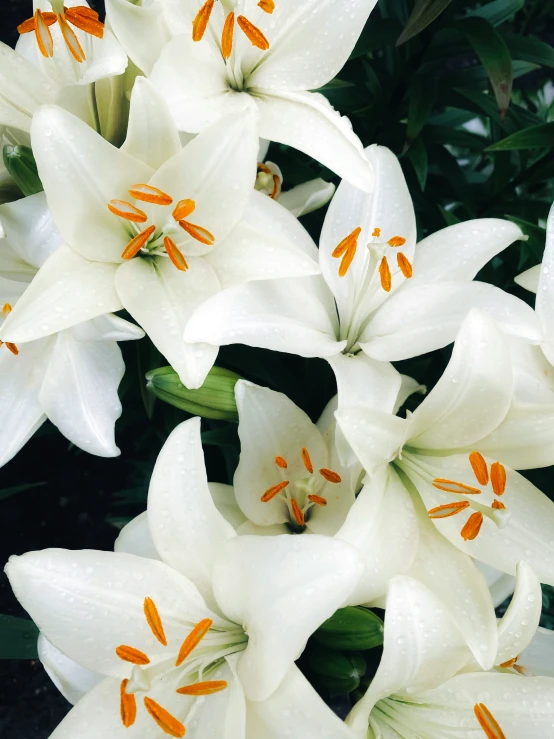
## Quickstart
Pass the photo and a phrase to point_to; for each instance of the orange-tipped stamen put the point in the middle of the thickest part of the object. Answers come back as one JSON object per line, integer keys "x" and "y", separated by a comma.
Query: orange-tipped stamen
{"x": 376, "y": 233}
{"x": 318, "y": 500}
{"x": 6, "y": 309}
{"x": 200, "y": 23}
{"x": 347, "y": 243}
{"x": 276, "y": 187}
{"x": 404, "y": 265}
{"x": 164, "y": 719}
{"x": 268, "y": 6}
{"x": 449, "y": 509}
{"x": 396, "y": 241}
{"x": 330, "y": 476}
{"x": 297, "y": 513}
{"x": 150, "y": 194}
{"x": 123, "y": 209}
{"x": 44, "y": 37}
{"x": 254, "y": 35}
{"x": 86, "y": 22}
{"x": 197, "y": 232}
{"x": 480, "y": 469}
{"x": 307, "y": 461}
{"x": 458, "y": 488}
{"x": 472, "y": 527}
{"x": 346, "y": 261}
{"x": 183, "y": 209}
{"x": 498, "y": 505}
{"x": 130, "y": 654}
{"x": 30, "y": 24}
{"x": 127, "y": 705}
{"x": 281, "y": 462}
{"x": 175, "y": 254}
{"x": 227, "y": 35}
{"x": 12, "y": 348}
{"x": 154, "y": 620}
{"x": 498, "y": 478}
{"x": 193, "y": 639}
{"x": 209, "y": 687}
{"x": 510, "y": 663}
{"x": 270, "y": 493}
{"x": 136, "y": 244}
{"x": 385, "y": 275}
{"x": 71, "y": 40}
{"x": 487, "y": 722}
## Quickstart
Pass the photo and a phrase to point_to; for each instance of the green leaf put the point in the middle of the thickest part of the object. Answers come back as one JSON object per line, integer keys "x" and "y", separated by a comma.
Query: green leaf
{"x": 422, "y": 95}
{"x": 530, "y": 50}
{"x": 535, "y": 137}
{"x": 18, "y": 638}
{"x": 423, "y": 14}
{"x": 417, "y": 154}
{"x": 449, "y": 218}
{"x": 377, "y": 33}
{"x": 8, "y": 492}
{"x": 20, "y": 163}
{"x": 498, "y": 11}
{"x": 351, "y": 629}
{"x": 495, "y": 56}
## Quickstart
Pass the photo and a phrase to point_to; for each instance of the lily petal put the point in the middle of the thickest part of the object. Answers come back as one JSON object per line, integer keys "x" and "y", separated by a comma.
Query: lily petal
{"x": 529, "y": 280}
{"x": 30, "y": 229}
{"x": 500, "y": 584}
{"x": 135, "y": 538}
{"x": 307, "y": 197}
{"x": 132, "y": 24}
{"x": 538, "y": 657}
{"x": 521, "y": 621}
{"x": 72, "y": 680}
{"x": 545, "y": 290}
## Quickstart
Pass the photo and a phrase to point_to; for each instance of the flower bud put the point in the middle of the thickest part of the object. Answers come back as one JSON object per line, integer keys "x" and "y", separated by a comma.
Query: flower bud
{"x": 215, "y": 399}
{"x": 351, "y": 628}
{"x": 20, "y": 163}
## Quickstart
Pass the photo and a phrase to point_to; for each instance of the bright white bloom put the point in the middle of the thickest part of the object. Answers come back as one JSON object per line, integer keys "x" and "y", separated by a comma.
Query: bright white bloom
{"x": 70, "y": 377}
{"x": 235, "y": 54}
{"x": 427, "y": 687}
{"x": 153, "y": 227}
{"x": 447, "y": 454}
{"x": 203, "y": 643}
{"x": 382, "y": 298}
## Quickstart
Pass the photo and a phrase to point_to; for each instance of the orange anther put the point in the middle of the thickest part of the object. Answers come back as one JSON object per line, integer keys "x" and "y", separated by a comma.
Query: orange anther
{"x": 71, "y": 40}
{"x": 329, "y": 475}
{"x": 11, "y": 347}
{"x": 480, "y": 469}
{"x": 123, "y": 209}
{"x": 227, "y": 35}
{"x": 385, "y": 275}
{"x": 127, "y": 705}
{"x": 404, "y": 265}
{"x": 458, "y": 488}
{"x": 86, "y": 20}
{"x": 6, "y": 309}
{"x": 449, "y": 509}
{"x": 175, "y": 254}
{"x": 150, "y": 194}
{"x": 318, "y": 500}
{"x": 498, "y": 505}
{"x": 183, "y": 209}
{"x": 136, "y": 244}
{"x": 396, "y": 241}
{"x": 297, "y": 513}
{"x": 264, "y": 168}
{"x": 273, "y": 491}
{"x": 30, "y": 24}
{"x": 167, "y": 723}
{"x": 44, "y": 37}
{"x": 154, "y": 620}
{"x": 193, "y": 639}
{"x": 307, "y": 461}
{"x": 254, "y": 35}
{"x": 487, "y": 722}
{"x": 268, "y": 6}
{"x": 206, "y": 688}
{"x": 498, "y": 478}
{"x": 281, "y": 462}
{"x": 472, "y": 527}
{"x": 509, "y": 663}
{"x": 197, "y": 232}
{"x": 130, "y": 654}
{"x": 200, "y": 23}
{"x": 276, "y": 187}
{"x": 376, "y": 233}
{"x": 347, "y": 243}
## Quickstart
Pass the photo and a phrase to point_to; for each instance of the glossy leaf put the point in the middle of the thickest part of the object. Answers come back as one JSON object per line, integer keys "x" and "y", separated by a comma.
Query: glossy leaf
{"x": 498, "y": 11}
{"x": 423, "y": 14}
{"x": 530, "y": 138}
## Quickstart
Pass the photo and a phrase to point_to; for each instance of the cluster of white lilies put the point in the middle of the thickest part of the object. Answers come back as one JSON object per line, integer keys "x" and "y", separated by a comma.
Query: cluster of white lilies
{"x": 149, "y": 137}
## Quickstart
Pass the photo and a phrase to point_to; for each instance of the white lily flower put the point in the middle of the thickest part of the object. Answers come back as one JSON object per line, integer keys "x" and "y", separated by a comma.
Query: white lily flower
{"x": 444, "y": 455}
{"x": 218, "y": 663}
{"x": 426, "y": 686}
{"x": 70, "y": 377}
{"x": 266, "y": 56}
{"x": 383, "y": 298}
{"x": 153, "y": 227}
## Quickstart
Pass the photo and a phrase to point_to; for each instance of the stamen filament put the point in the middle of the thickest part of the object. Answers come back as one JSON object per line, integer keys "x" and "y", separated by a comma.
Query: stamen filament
{"x": 498, "y": 478}
{"x": 270, "y": 493}
{"x": 130, "y": 654}
{"x": 318, "y": 500}
{"x": 136, "y": 244}
{"x": 205, "y": 688}
{"x": 297, "y": 513}
{"x": 385, "y": 275}
{"x": 128, "y": 705}
{"x": 307, "y": 461}
{"x": 458, "y": 488}
{"x": 150, "y": 194}
{"x": 480, "y": 469}
{"x": 254, "y": 35}
{"x": 227, "y": 35}
{"x": 193, "y": 640}
{"x": 330, "y": 476}
{"x": 448, "y": 509}
{"x": 126, "y": 210}
{"x": 472, "y": 527}
{"x": 154, "y": 620}
{"x": 200, "y": 23}
{"x": 487, "y": 722}
{"x": 281, "y": 462}
{"x": 168, "y": 723}
{"x": 175, "y": 254}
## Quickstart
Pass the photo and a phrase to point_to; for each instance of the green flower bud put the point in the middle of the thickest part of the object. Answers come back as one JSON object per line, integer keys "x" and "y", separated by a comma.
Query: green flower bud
{"x": 215, "y": 399}
{"x": 338, "y": 672}
{"x": 351, "y": 629}
{"x": 20, "y": 163}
